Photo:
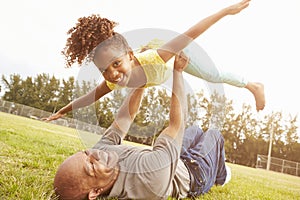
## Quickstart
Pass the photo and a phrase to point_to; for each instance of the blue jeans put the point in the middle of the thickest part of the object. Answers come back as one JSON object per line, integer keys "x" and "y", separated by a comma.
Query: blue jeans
{"x": 204, "y": 156}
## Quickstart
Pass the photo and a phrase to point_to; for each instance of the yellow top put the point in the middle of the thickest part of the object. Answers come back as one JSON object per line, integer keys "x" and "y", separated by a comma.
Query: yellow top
{"x": 156, "y": 70}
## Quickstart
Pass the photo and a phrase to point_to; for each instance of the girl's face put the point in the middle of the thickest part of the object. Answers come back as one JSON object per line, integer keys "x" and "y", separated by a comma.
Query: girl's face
{"x": 115, "y": 65}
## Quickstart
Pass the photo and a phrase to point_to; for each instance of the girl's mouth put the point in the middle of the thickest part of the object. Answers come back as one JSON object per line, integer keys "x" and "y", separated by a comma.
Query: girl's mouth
{"x": 118, "y": 80}
{"x": 121, "y": 80}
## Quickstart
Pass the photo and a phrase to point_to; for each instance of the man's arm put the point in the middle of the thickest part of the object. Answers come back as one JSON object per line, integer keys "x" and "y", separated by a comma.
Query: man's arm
{"x": 128, "y": 110}
{"x": 178, "y": 101}
{"x": 172, "y": 47}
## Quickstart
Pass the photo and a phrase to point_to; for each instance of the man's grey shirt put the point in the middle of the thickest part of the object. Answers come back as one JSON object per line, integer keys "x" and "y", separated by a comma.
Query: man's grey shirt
{"x": 147, "y": 173}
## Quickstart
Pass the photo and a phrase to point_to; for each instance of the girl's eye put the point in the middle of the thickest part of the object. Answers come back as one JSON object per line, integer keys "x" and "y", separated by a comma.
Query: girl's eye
{"x": 116, "y": 63}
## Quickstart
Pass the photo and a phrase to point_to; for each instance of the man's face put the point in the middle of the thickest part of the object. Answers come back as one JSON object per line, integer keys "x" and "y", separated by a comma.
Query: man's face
{"x": 98, "y": 163}
{"x": 98, "y": 167}
{"x": 88, "y": 170}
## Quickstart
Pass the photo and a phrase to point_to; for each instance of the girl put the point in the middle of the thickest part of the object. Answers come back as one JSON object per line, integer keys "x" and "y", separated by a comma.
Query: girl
{"x": 93, "y": 39}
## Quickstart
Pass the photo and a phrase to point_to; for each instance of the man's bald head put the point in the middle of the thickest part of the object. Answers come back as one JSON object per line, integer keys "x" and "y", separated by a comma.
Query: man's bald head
{"x": 69, "y": 179}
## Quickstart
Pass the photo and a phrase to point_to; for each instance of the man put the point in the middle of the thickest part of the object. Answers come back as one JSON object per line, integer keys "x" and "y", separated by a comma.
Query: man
{"x": 111, "y": 169}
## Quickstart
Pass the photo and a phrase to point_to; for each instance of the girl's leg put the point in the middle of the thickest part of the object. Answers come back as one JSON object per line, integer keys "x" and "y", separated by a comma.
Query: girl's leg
{"x": 202, "y": 66}
{"x": 257, "y": 89}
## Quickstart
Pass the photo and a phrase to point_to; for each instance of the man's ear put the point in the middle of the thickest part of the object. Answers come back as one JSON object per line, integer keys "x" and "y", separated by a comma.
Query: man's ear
{"x": 94, "y": 193}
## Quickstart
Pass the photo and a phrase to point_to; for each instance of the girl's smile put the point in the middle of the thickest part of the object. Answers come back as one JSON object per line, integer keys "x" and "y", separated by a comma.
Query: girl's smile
{"x": 115, "y": 65}
{"x": 120, "y": 68}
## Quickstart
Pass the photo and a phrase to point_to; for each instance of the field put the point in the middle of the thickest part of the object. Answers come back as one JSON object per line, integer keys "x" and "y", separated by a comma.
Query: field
{"x": 31, "y": 151}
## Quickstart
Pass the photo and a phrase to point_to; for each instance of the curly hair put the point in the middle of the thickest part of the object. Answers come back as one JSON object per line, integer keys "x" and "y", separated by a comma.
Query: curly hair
{"x": 88, "y": 33}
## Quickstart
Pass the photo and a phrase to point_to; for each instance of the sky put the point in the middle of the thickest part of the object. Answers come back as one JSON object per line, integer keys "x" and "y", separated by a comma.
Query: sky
{"x": 261, "y": 43}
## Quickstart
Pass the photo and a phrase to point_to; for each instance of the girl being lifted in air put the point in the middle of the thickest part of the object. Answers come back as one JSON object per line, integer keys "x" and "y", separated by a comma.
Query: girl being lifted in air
{"x": 94, "y": 39}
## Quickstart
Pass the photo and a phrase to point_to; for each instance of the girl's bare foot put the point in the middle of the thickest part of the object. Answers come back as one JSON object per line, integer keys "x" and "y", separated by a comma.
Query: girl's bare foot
{"x": 257, "y": 89}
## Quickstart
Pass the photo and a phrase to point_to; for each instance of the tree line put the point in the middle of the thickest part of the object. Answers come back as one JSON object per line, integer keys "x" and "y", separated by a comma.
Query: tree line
{"x": 245, "y": 135}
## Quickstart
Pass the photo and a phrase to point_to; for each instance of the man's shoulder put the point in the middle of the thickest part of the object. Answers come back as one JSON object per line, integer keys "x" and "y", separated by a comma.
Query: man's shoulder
{"x": 111, "y": 136}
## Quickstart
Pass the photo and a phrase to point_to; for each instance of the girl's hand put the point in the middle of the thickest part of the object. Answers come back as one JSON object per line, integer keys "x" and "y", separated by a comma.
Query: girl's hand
{"x": 238, "y": 7}
{"x": 181, "y": 61}
{"x": 53, "y": 117}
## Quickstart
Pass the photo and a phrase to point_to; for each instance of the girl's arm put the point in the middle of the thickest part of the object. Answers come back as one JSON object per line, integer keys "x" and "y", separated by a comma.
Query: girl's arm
{"x": 168, "y": 50}
{"x": 82, "y": 101}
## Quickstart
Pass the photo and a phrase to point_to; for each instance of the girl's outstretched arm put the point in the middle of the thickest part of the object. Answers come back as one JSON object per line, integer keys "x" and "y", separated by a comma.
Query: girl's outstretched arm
{"x": 168, "y": 50}
{"x": 82, "y": 101}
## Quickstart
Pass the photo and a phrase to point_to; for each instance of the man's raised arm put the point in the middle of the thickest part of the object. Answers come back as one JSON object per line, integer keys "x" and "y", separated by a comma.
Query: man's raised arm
{"x": 178, "y": 101}
{"x": 128, "y": 110}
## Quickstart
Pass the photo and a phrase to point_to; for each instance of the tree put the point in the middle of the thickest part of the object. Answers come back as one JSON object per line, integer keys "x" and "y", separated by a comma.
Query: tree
{"x": 291, "y": 139}
{"x": 65, "y": 94}
{"x": 105, "y": 114}
{"x": 154, "y": 112}
{"x": 29, "y": 96}
{"x": 52, "y": 93}
{"x": 86, "y": 114}
{"x": 13, "y": 87}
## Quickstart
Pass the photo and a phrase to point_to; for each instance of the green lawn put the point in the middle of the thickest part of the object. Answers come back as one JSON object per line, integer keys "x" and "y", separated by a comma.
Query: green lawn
{"x": 32, "y": 150}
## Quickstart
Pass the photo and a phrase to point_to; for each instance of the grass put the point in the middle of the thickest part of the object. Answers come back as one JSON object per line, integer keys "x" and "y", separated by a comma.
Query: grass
{"x": 32, "y": 150}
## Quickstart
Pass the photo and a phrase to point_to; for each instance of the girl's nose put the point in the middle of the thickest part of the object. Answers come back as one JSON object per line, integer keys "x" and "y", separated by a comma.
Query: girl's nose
{"x": 114, "y": 74}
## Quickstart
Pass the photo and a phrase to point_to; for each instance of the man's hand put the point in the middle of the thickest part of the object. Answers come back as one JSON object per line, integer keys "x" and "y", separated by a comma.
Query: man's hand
{"x": 178, "y": 101}
{"x": 181, "y": 62}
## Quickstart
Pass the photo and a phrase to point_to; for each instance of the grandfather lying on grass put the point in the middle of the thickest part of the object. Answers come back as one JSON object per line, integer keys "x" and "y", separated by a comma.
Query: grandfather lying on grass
{"x": 182, "y": 163}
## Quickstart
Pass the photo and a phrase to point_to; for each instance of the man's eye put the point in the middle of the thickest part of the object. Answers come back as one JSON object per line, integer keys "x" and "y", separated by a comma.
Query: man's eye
{"x": 92, "y": 165}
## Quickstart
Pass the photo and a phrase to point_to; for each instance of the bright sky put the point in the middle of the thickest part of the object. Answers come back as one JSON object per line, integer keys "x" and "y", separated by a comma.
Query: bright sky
{"x": 261, "y": 43}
